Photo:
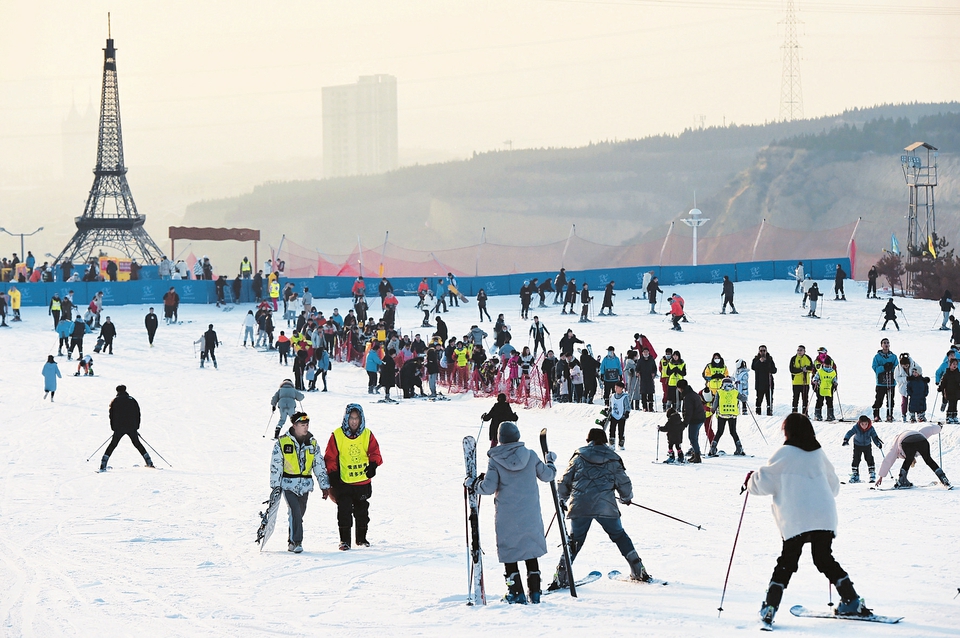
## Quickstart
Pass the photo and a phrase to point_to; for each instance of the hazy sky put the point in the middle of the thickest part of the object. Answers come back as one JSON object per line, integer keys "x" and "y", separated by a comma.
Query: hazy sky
{"x": 208, "y": 83}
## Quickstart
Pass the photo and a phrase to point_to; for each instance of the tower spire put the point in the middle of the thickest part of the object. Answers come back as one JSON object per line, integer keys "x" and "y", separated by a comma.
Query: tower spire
{"x": 110, "y": 217}
{"x": 791, "y": 94}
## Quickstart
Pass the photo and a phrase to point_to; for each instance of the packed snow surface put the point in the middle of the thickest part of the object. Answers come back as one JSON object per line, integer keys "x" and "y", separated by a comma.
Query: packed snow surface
{"x": 171, "y": 552}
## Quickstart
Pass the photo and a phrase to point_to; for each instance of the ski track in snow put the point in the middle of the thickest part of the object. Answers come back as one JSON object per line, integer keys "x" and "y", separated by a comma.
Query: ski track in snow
{"x": 171, "y": 552}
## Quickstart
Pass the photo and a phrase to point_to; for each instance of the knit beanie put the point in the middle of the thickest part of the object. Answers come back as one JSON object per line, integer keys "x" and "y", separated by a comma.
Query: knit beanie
{"x": 508, "y": 433}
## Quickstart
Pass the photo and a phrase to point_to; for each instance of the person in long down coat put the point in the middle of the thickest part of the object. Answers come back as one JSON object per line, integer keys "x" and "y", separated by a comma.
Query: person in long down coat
{"x": 50, "y": 374}
{"x": 512, "y": 474}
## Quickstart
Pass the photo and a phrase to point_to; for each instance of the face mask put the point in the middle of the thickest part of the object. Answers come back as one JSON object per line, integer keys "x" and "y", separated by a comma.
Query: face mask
{"x": 716, "y": 360}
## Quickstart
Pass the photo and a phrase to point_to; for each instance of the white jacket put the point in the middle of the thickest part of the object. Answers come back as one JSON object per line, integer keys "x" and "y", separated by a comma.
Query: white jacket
{"x": 804, "y": 487}
{"x": 900, "y": 375}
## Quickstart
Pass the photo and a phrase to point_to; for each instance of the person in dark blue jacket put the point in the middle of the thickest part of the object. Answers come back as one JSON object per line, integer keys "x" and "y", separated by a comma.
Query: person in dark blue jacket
{"x": 918, "y": 386}
{"x": 863, "y": 434}
{"x": 883, "y": 364}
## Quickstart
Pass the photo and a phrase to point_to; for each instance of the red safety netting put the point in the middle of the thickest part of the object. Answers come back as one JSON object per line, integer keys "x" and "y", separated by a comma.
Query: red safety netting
{"x": 760, "y": 242}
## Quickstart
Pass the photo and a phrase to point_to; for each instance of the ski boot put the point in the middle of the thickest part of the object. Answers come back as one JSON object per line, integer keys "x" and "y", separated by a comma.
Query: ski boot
{"x": 758, "y": 409}
{"x": 942, "y": 477}
{"x": 913, "y": 417}
{"x": 739, "y": 451}
{"x": 922, "y": 418}
{"x": 533, "y": 584}
{"x": 734, "y": 312}
{"x": 276, "y": 433}
{"x": 681, "y": 459}
{"x": 769, "y": 410}
{"x": 873, "y": 475}
{"x": 768, "y": 608}
{"x": 620, "y": 442}
{"x": 850, "y": 603}
{"x": 559, "y": 578}
{"x": 817, "y": 414}
{"x": 148, "y": 461}
{"x": 713, "y": 450}
{"x": 670, "y": 458}
{"x": 514, "y": 593}
{"x": 637, "y": 570}
{"x": 902, "y": 480}
{"x": 103, "y": 463}
{"x": 830, "y": 415}
{"x": 876, "y": 415}
{"x": 362, "y": 537}
{"x": 855, "y": 476}
{"x": 889, "y": 416}
{"x": 743, "y": 409}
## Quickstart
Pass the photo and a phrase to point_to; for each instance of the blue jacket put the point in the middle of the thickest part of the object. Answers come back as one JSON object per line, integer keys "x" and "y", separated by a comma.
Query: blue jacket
{"x": 373, "y": 361}
{"x": 612, "y": 364}
{"x": 324, "y": 362}
{"x": 441, "y": 289}
{"x": 863, "y": 438}
{"x": 943, "y": 368}
{"x": 50, "y": 373}
{"x": 917, "y": 390}
{"x": 65, "y": 329}
{"x": 884, "y": 377}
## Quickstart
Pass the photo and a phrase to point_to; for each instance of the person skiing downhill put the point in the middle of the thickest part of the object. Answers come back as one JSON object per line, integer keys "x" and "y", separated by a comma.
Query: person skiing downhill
{"x": 804, "y": 487}
{"x": 296, "y": 455}
{"x": 946, "y": 306}
{"x": 285, "y": 398}
{"x": 352, "y": 458}
{"x": 890, "y": 314}
{"x": 907, "y": 446}
{"x": 586, "y": 492}
{"x": 124, "y": 421}
{"x": 872, "y": 276}
{"x": 676, "y": 311}
{"x": 512, "y": 474}
{"x": 863, "y": 435}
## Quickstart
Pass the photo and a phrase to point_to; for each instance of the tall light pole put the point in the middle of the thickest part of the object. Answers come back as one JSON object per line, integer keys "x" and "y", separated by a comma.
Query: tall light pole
{"x": 695, "y": 221}
{"x": 23, "y": 255}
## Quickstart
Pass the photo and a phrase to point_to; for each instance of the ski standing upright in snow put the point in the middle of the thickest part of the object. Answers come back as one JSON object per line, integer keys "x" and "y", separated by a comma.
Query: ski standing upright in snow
{"x": 561, "y": 524}
{"x": 475, "y": 592}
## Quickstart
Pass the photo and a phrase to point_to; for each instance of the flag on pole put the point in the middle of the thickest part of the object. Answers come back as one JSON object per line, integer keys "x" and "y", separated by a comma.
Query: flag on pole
{"x": 894, "y": 245}
{"x": 853, "y": 258}
{"x": 930, "y": 247}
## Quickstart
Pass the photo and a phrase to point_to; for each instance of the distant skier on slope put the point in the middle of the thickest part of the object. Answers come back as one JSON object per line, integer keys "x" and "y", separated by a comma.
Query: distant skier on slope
{"x": 124, "y": 421}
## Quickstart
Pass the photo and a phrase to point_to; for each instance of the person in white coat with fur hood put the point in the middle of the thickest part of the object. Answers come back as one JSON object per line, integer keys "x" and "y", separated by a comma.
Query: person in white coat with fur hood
{"x": 512, "y": 474}
{"x": 804, "y": 486}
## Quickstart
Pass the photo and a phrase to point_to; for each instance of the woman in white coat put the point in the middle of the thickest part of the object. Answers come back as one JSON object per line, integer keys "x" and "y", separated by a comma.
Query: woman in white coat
{"x": 804, "y": 487}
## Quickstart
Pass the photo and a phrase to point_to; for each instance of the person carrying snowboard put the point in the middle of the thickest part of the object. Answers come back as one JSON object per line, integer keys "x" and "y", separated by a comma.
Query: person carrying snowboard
{"x": 512, "y": 474}
{"x": 863, "y": 435}
{"x": 907, "y": 446}
{"x": 296, "y": 455}
{"x": 352, "y": 459}
{"x": 586, "y": 492}
{"x": 804, "y": 487}
{"x": 124, "y": 421}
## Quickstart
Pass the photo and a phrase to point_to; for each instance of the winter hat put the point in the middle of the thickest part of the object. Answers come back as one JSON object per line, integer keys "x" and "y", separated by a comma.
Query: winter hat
{"x": 611, "y": 349}
{"x": 597, "y": 436}
{"x": 121, "y": 389}
{"x": 501, "y": 398}
{"x": 682, "y": 384}
{"x": 508, "y": 432}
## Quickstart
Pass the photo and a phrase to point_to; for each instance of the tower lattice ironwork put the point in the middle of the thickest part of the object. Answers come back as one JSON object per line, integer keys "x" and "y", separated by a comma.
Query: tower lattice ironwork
{"x": 921, "y": 176}
{"x": 791, "y": 94}
{"x": 110, "y": 218}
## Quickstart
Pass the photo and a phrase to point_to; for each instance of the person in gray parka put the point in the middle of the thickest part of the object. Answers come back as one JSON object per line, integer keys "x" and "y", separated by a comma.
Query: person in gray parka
{"x": 511, "y": 475}
{"x": 285, "y": 398}
{"x": 595, "y": 471}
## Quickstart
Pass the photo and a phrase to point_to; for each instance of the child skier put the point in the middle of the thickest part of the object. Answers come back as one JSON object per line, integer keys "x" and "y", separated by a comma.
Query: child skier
{"x": 825, "y": 386}
{"x": 619, "y": 403}
{"x": 917, "y": 389}
{"x": 726, "y": 406}
{"x": 674, "y": 428}
{"x": 742, "y": 383}
{"x": 863, "y": 434}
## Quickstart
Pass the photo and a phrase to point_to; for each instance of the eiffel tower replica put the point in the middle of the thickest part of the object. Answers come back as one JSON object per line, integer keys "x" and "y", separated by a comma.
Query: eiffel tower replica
{"x": 110, "y": 217}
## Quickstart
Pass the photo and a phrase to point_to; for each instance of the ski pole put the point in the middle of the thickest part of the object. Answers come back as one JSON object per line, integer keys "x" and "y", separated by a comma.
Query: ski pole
{"x": 111, "y": 436}
{"x": 155, "y": 451}
{"x": 836, "y": 393}
{"x": 904, "y": 317}
{"x": 759, "y": 428}
{"x": 547, "y": 533}
{"x": 735, "y": 539}
{"x": 269, "y": 419}
{"x": 658, "y": 444}
{"x": 649, "y": 509}
{"x": 830, "y": 593}
{"x": 480, "y": 431}
{"x": 940, "y": 446}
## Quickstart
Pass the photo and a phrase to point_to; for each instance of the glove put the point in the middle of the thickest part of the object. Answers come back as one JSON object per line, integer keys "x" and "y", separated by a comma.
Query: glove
{"x": 626, "y": 501}
{"x": 274, "y": 409}
{"x": 551, "y": 457}
{"x": 563, "y": 506}
{"x": 326, "y": 493}
{"x": 717, "y": 376}
{"x": 371, "y": 470}
{"x": 484, "y": 416}
{"x": 888, "y": 366}
{"x": 846, "y": 442}
{"x": 745, "y": 481}
{"x": 879, "y": 444}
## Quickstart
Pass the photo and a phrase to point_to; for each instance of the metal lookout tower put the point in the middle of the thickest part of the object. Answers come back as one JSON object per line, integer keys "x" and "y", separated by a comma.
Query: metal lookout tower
{"x": 791, "y": 93}
{"x": 110, "y": 217}
{"x": 921, "y": 178}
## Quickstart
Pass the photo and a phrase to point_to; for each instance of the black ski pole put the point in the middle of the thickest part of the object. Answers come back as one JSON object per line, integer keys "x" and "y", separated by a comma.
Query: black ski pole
{"x": 957, "y": 594}
{"x": 759, "y": 429}
{"x": 650, "y": 509}
{"x": 98, "y": 449}
{"x": 547, "y": 533}
{"x": 560, "y": 524}
{"x": 155, "y": 451}
{"x": 658, "y": 444}
{"x": 735, "y": 539}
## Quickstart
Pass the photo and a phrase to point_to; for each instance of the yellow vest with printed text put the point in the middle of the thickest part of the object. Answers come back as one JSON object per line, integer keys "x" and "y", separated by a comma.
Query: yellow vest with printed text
{"x": 291, "y": 462}
{"x": 728, "y": 402}
{"x": 353, "y": 455}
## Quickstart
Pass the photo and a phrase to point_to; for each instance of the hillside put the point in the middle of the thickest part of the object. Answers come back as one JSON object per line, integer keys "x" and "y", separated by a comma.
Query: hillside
{"x": 810, "y": 174}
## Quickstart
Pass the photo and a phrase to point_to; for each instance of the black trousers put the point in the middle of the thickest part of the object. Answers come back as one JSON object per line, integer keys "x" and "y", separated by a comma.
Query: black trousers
{"x": 881, "y": 392}
{"x": 135, "y": 439}
{"x": 871, "y": 287}
{"x": 646, "y": 400}
{"x": 764, "y": 393}
{"x": 298, "y": 507}
{"x": 866, "y": 451}
{"x": 885, "y": 321}
{"x": 538, "y": 341}
{"x": 151, "y": 334}
{"x": 800, "y": 391}
{"x": 912, "y": 446}
{"x": 353, "y": 502}
{"x": 616, "y": 427}
{"x": 821, "y": 542}
{"x": 722, "y": 422}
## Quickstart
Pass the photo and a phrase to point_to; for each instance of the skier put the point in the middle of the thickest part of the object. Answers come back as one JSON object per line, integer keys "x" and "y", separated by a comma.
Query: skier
{"x": 559, "y": 283}
{"x": 652, "y": 289}
{"x": 676, "y": 311}
{"x": 618, "y": 404}
{"x": 388, "y": 375}
{"x": 883, "y": 364}
{"x": 838, "y": 284}
{"x": 726, "y": 406}
{"x": 64, "y": 330}
{"x": 801, "y": 368}
{"x": 76, "y": 337}
{"x": 526, "y": 293}
{"x": 798, "y": 275}
{"x": 741, "y": 379}
{"x": 124, "y": 421}
{"x": 50, "y": 372}
{"x": 804, "y": 487}
{"x": 219, "y": 285}
{"x": 441, "y": 295}
{"x": 295, "y": 457}
{"x": 499, "y": 413}
{"x": 209, "y": 341}
{"x": 590, "y": 367}
{"x": 608, "y": 296}
{"x": 285, "y": 398}
{"x": 890, "y": 314}
{"x": 585, "y": 300}
{"x": 813, "y": 294}
{"x": 372, "y": 365}
{"x": 352, "y": 459}
{"x": 537, "y": 330}
{"x": 949, "y": 388}
{"x": 150, "y": 322}
{"x": 872, "y": 282}
{"x": 946, "y": 305}
{"x": 570, "y": 297}
{"x": 918, "y": 386}
{"x": 610, "y": 371}
{"x": 693, "y": 416}
{"x": 108, "y": 332}
{"x": 673, "y": 372}
{"x": 825, "y": 386}
{"x": 248, "y": 323}
{"x": 568, "y": 341}
{"x": 512, "y": 474}
{"x": 594, "y": 473}
{"x": 805, "y": 287}
{"x": 727, "y": 295}
{"x": 907, "y": 446}
{"x": 674, "y": 428}
{"x": 542, "y": 291}
{"x": 863, "y": 434}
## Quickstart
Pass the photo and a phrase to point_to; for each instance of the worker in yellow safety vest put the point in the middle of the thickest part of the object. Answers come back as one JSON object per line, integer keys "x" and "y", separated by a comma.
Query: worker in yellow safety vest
{"x": 295, "y": 457}
{"x": 726, "y": 406}
{"x": 352, "y": 459}
{"x": 801, "y": 367}
{"x": 246, "y": 268}
{"x": 274, "y": 293}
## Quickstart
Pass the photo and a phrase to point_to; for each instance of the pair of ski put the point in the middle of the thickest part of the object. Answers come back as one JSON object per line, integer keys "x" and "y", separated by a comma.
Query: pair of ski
{"x": 475, "y": 589}
{"x": 802, "y": 612}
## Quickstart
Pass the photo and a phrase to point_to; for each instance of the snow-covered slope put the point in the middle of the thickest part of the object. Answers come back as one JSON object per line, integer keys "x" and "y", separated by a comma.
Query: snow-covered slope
{"x": 171, "y": 552}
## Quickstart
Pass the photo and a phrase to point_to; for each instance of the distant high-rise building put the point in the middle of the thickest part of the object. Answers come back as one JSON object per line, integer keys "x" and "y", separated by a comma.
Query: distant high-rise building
{"x": 360, "y": 127}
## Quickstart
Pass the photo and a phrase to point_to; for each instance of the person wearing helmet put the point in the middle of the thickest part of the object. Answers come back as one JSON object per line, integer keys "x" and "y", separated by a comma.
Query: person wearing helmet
{"x": 726, "y": 405}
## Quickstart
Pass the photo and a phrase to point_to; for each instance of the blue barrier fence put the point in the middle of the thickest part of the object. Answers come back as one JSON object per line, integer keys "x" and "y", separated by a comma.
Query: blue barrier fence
{"x": 150, "y": 289}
